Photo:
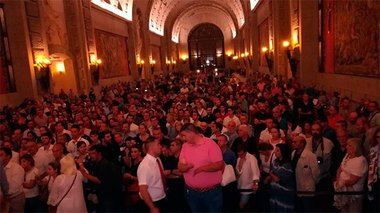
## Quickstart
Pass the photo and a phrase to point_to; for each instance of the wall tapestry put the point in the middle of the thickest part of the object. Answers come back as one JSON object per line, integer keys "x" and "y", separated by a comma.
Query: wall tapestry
{"x": 112, "y": 50}
{"x": 6, "y": 70}
{"x": 356, "y": 37}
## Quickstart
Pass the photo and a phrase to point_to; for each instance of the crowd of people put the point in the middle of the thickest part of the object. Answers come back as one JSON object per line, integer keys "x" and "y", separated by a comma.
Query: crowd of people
{"x": 190, "y": 142}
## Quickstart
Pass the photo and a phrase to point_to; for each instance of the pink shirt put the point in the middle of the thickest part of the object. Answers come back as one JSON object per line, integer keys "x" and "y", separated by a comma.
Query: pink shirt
{"x": 199, "y": 155}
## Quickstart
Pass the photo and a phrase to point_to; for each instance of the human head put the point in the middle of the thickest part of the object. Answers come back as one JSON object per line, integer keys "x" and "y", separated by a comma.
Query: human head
{"x": 222, "y": 141}
{"x": 153, "y": 147}
{"x": 243, "y": 131}
{"x": 175, "y": 146}
{"x": 316, "y": 130}
{"x": 352, "y": 117}
{"x": 231, "y": 126}
{"x": 354, "y": 147}
{"x": 136, "y": 152}
{"x": 75, "y": 130}
{"x": 81, "y": 147}
{"x": 275, "y": 133}
{"x": 32, "y": 147}
{"x": 53, "y": 168}
{"x": 298, "y": 143}
{"x": 241, "y": 150}
{"x": 96, "y": 152}
{"x": 157, "y": 133}
{"x": 269, "y": 123}
{"x": 342, "y": 137}
{"x": 282, "y": 152}
{"x": 373, "y": 106}
{"x": 5, "y": 155}
{"x": 58, "y": 151}
{"x": 26, "y": 162}
{"x": 45, "y": 139}
{"x": 189, "y": 132}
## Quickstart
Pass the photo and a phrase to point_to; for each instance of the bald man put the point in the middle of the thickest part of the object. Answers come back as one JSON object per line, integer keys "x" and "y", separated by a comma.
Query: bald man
{"x": 244, "y": 138}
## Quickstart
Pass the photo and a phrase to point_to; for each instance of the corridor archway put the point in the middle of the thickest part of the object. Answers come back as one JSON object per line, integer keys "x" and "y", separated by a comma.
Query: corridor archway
{"x": 206, "y": 47}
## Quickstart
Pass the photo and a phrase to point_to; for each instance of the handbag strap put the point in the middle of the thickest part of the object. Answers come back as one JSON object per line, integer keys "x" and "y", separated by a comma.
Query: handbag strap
{"x": 71, "y": 186}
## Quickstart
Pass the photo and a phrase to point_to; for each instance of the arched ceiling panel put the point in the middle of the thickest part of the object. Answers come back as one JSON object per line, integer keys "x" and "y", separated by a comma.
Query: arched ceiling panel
{"x": 196, "y": 15}
{"x": 122, "y": 8}
{"x": 162, "y": 8}
{"x": 205, "y": 18}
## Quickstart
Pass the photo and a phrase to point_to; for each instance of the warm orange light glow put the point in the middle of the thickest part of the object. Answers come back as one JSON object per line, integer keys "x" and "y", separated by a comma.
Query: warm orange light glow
{"x": 229, "y": 53}
{"x": 235, "y": 57}
{"x": 42, "y": 61}
{"x": 295, "y": 38}
{"x": 184, "y": 57}
{"x": 242, "y": 55}
{"x": 264, "y": 49}
{"x": 285, "y": 43}
{"x": 60, "y": 67}
{"x": 98, "y": 61}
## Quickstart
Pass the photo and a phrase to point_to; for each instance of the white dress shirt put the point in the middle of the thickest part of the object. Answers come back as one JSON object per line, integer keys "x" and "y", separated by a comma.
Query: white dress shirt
{"x": 249, "y": 172}
{"x": 48, "y": 152}
{"x": 149, "y": 174}
{"x": 15, "y": 176}
{"x": 227, "y": 119}
{"x": 29, "y": 176}
{"x": 41, "y": 162}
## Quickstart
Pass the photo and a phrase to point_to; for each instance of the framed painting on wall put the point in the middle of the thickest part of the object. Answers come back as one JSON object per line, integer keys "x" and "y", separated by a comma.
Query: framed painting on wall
{"x": 7, "y": 83}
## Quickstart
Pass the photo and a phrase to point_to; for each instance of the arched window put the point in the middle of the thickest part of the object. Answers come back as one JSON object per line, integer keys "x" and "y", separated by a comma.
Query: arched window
{"x": 206, "y": 47}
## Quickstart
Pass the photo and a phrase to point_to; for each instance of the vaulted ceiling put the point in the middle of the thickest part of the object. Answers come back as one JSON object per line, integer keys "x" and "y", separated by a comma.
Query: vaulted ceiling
{"x": 178, "y": 17}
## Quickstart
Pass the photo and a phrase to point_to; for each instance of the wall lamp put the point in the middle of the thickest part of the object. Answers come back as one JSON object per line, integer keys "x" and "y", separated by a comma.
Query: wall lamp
{"x": 42, "y": 64}
{"x": 152, "y": 64}
{"x": 268, "y": 57}
{"x": 229, "y": 55}
{"x": 184, "y": 58}
{"x": 94, "y": 68}
{"x": 292, "y": 56}
{"x": 140, "y": 64}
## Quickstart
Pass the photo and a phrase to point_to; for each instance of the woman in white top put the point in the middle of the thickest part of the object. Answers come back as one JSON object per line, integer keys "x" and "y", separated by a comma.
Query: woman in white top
{"x": 351, "y": 176}
{"x": 248, "y": 173}
{"x": 67, "y": 190}
{"x": 32, "y": 203}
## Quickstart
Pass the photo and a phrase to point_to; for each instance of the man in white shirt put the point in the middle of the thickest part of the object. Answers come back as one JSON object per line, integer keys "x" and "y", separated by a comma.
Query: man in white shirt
{"x": 150, "y": 175}
{"x": 41, "y": 160}
{"x": 134, "y": 128}
{"x": 265, "y": 135}
{"x": 248, "y": 173}
{"x": 47, "y": 147}
{"x": 72, "y": 145}
{"x": 231, "y": 117}
{"x": 306, "y": 168}
{"x": 15, "y": 176}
